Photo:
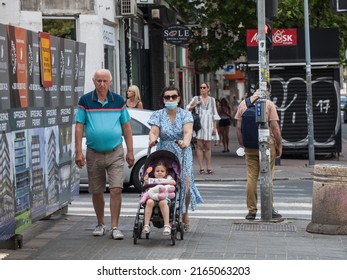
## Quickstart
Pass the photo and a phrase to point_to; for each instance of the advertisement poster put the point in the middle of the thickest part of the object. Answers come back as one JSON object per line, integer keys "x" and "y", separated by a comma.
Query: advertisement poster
{"x": 80, "y": 56}
{"x": 52, "y": 92}
{"x": 75, "y": 170}
{"x": 38, "y": 175}
{"x": 51, "y": 159}
{"x": 19, "y": 123}
{"x": 67, "y": 69}
{"x": 36, "y": 158}
{"x": 7, "y": 195}
{"x": 35, "y": 90}
{"x": 46, "y": 59}
{"x": 65, "y": 116}
{"x": 18, "y": 72}
{"x": 4, "y": 70}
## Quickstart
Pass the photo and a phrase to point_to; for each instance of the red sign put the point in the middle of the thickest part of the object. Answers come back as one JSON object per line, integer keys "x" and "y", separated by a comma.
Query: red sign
{"x": 280, "y": 37}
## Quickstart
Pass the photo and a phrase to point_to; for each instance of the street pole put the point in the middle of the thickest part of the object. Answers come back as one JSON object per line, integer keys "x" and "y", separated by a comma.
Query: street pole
{"x": 261, "y": 115}
{"x": 310, "y": 128}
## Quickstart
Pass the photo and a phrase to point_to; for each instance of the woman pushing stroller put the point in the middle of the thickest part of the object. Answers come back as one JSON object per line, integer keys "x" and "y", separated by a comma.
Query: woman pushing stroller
{"x": 170, "y": 124}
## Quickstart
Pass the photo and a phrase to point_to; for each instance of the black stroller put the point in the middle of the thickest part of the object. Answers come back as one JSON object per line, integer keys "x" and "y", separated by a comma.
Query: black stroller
{"x": 175, "y": 212}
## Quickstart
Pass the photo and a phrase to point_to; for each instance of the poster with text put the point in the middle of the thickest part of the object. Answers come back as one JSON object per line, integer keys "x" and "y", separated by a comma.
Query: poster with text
{"x": 18, "y": 68}
{"x": 4, "y": 70}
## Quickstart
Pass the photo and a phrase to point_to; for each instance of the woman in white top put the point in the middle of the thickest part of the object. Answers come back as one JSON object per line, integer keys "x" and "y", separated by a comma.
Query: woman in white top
{"x": 206, "y": 106}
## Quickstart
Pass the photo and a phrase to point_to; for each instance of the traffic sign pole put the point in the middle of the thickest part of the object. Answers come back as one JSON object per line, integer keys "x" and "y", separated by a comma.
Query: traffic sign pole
{"x": 264, "y": 134}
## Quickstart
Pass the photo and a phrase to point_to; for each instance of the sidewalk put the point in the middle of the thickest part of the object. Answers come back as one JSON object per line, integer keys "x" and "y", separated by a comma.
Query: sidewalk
{"x": 230, "y": 167}
{"x": 65, "y": 237}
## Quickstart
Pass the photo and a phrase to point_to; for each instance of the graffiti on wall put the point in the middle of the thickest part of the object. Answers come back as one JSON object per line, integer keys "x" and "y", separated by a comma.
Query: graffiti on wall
{"x": 290, "y": 98}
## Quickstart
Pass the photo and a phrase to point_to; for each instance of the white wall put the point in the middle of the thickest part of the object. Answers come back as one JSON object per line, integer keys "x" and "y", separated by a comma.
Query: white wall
{"x": 31, "y": 20}
{"x": 90, "y": 32}
{"x": 10, "y": 12}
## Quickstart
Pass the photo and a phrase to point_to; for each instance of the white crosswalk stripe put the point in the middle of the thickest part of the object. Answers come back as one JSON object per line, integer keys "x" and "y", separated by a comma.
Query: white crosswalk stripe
{"x": 221, "y": 201}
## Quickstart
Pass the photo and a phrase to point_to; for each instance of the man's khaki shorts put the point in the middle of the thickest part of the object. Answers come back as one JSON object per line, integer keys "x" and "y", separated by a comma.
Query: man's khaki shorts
{"x": 103, "y": 165}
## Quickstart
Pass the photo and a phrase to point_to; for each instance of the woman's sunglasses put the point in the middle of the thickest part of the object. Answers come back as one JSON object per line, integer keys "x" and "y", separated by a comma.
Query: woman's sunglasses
{"x": 203, "y": 87}
{"x": 168, "y": 97}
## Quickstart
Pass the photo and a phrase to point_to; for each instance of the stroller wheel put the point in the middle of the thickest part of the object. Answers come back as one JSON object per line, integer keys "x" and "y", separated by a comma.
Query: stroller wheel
{"x": 173, "y": 238}
{"x": 181, "y": 229}
{"x": 140, "y": 230}
{"x": 137, "y": 232}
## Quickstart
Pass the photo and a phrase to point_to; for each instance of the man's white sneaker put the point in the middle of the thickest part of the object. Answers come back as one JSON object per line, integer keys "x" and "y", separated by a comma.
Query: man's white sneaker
{"x": 116, "y": 234}
{"x": 99, "y": 230}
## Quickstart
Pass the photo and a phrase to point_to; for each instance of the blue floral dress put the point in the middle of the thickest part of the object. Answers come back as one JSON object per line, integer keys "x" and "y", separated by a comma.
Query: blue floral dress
{"x": 169, "y": 132}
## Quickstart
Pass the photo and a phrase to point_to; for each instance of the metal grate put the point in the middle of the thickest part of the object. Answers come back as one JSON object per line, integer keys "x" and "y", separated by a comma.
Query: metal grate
{"x": 272, "y": 227}
{"x": 127, "y": 7}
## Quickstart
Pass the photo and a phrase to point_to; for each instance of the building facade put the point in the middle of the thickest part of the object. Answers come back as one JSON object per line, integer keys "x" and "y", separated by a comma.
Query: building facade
{"x": 124, "y": 36}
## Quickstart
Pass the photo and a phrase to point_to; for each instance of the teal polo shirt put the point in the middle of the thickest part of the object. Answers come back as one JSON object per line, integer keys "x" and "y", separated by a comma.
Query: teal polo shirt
{"x": 102, "y": 122}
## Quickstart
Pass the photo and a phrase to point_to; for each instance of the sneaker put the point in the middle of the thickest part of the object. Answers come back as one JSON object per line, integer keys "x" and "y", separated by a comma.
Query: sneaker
{"x": 116, "y": 234}
{"x": 275, "y": 214}
{"x": 99, "y": 230}
{"x": 251, "y": 216}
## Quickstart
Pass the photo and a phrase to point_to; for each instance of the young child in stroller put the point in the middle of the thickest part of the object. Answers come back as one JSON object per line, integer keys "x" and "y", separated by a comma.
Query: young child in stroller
{"x": 160, "y": 190}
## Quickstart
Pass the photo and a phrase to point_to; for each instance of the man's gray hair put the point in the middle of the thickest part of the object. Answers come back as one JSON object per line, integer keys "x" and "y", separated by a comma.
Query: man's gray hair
{"x": 104, "y": 70}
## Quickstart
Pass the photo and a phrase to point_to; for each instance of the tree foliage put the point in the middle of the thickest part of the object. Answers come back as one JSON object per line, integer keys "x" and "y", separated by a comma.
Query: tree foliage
{"x": 219, "y": 26}
{"x": 64, "y": 28}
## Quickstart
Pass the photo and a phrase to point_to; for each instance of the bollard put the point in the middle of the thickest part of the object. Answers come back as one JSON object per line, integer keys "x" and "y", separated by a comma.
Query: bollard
{"x": 329, "y": 200}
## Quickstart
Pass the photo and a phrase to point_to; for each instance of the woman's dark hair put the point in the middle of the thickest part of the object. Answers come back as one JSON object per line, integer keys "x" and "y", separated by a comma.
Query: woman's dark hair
{"x": 224, "y": 102}
{"x": 169, "y": 88}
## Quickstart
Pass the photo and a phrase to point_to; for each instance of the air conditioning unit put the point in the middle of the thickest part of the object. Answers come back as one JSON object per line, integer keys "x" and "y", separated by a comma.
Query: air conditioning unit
{"x": 128, "y": 7}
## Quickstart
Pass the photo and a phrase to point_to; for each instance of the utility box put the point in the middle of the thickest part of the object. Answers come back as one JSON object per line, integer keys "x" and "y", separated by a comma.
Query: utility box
{"x": 289, "y": 91}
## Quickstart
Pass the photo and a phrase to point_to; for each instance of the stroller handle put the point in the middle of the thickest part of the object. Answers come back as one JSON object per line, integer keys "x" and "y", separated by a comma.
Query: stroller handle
{"x": 150, "y": 148}
{"x": 156, "y": 142}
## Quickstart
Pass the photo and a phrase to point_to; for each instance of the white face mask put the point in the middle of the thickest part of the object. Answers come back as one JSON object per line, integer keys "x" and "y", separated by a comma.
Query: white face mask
{"x": 171, "y": 105}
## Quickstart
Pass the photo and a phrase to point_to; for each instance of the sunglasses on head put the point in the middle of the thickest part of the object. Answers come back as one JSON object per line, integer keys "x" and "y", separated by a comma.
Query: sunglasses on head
{"x": 168, "y": 97}
{"x": 203, "y": 87}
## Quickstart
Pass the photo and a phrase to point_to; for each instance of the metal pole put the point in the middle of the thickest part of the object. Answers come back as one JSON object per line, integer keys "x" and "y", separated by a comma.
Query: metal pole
{"x": 130, "y": 54}
{"x": 264, "y": 133}
{"x": 311, "y": 152}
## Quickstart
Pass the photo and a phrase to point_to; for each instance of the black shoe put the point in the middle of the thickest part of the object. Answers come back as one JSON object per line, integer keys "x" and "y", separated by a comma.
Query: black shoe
{"x": 275, "y": 214}
{"x": 251, "y": 216}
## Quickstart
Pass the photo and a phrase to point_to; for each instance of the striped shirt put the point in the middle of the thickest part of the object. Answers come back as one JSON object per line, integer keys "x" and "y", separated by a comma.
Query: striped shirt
{"x": 103, "y": 121}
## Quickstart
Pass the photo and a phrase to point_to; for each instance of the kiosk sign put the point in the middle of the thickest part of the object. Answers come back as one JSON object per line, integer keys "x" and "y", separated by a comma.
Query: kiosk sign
{"x": 177, "y": 34}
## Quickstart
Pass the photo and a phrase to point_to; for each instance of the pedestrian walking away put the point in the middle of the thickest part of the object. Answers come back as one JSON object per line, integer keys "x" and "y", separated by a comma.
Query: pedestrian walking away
{"x": 174, "y": 126}
{"x": 224, "y": 112}
{"x": 102, "y": 115}
{"x": 218, "y": 142}
{"x": 252, "y": 154}
{"x": 134, "y": 97}
{"x": 208, "y": 132}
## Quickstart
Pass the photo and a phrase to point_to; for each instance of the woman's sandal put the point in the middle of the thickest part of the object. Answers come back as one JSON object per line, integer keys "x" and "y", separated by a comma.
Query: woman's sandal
{"x": 210, "y": 172}
{"x": 202, "y": 171}
{"x": 167, "y": 230}
{"x": 146, "y": 229}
